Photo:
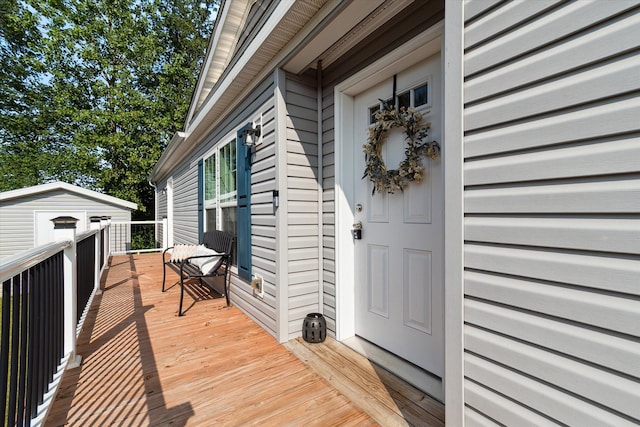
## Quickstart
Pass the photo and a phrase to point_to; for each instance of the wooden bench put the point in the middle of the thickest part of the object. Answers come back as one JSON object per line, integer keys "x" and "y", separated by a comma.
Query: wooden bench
{"x": 220, "y": 242}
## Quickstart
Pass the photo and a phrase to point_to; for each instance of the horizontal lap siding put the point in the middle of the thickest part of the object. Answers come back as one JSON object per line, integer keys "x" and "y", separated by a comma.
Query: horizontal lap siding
{"x": 552, "y": 213}
{"x": 302, "y": 203}
{"x": 328, "y": 210}
{"x": 263, "y": 224}
{"x": 185, "y": 205}
{"x": 263, "y": 227}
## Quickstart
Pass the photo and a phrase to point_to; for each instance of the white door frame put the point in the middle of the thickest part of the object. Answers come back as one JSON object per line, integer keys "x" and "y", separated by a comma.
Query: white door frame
{"x": 412, "y": 52}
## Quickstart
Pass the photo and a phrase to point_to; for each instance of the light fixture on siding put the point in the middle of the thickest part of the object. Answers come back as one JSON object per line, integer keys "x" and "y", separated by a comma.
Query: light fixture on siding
{"x": 276, "y": 198}
{"x": 250, "y": 134}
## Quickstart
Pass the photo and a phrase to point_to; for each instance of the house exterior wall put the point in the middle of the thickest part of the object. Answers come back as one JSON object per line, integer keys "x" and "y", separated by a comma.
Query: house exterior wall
{"x": 17, "y": 224}
{"x": 260, "y": 104}
{"x": 303, "y": 186}
{"x": 263, "y": 224}
{"x": 552, "y": 213}
{"x": 328, "y": 210}
{"x": 185, "y": 204}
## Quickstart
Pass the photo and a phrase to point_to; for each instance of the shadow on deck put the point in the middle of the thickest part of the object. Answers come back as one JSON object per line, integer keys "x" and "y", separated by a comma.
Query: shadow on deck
{"x": 144, "y": 365}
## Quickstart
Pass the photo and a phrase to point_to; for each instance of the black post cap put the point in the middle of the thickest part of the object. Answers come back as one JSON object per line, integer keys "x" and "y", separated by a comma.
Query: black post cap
{"x": 64, "y": 222}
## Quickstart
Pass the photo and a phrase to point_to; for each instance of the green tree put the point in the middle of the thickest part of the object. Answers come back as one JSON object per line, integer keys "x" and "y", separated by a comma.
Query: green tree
{"x": 21, "y": 120}
{"x": 114, "y": 84}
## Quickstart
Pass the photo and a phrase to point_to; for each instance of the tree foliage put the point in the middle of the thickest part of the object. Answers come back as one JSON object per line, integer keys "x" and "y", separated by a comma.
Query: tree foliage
{"x": 94, "y": 89}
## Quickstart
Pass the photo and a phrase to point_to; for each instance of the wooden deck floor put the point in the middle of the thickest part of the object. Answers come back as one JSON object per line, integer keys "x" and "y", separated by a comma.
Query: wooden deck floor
{"x": 389, "y": 400}
{"x": 143, "y": 365}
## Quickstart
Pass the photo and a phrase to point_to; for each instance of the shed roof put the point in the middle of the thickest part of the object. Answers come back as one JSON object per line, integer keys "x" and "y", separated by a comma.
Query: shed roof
{"x": 59, "y": 185}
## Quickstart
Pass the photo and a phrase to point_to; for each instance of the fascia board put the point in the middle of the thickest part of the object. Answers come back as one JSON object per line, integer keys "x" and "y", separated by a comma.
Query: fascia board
{"x": 230, "y": 19}
{"x": 252, "y": 49}
{"x": 174, "y": 149}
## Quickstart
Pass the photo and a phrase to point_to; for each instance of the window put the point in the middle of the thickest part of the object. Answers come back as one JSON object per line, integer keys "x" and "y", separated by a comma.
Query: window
{"x": 220, "y": 195}
{"x": 417, "y": 97}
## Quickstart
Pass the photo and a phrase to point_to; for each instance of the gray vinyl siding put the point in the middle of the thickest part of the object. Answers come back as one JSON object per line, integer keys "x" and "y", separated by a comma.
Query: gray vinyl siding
{"x": 328, "y": 211}
{"x": 185, "y": 205}
{"x": 263, "y": 226}
{"x": 552, "y": 213}
{"x": 263, "y": 182}
{"x": 302, "y": 204}
{"x": 17, "y": 223}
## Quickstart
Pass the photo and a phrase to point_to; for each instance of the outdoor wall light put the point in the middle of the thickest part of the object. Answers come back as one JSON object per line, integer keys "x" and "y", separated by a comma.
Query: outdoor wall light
{"x": 276, "y": 198}
{"x": 251, "y": 134}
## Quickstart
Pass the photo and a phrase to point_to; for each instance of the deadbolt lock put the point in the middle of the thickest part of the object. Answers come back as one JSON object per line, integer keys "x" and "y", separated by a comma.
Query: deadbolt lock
{"x": 356, "y": 231}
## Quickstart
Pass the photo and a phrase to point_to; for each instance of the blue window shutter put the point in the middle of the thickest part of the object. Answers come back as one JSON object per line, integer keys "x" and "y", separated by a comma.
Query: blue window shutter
{"x": 200, "y": 199}
{"x": 243, "y": 171}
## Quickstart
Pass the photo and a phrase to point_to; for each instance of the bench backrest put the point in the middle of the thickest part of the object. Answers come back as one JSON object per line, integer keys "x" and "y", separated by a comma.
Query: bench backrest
{"x": 219, "y": 241}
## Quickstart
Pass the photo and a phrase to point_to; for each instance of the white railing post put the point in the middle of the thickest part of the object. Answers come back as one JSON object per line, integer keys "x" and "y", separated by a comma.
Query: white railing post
{"x": 109, "y": 239}
{"x": 95, "y": 225}
{"x": 105, "y": 222}
{"x": 64, "y": 229}
{"x": 165, "y": 233}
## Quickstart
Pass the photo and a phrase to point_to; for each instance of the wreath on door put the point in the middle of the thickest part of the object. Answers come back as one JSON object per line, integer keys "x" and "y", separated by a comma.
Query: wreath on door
{"x": 410, "y": 169}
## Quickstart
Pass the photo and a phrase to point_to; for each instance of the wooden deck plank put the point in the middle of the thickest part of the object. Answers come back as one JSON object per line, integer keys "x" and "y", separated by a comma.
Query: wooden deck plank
{"x": 386, "y": 398}
{"x": 355, "y": 392}
{"x": 144, "y": 365}
{"x": 403, "y": 394}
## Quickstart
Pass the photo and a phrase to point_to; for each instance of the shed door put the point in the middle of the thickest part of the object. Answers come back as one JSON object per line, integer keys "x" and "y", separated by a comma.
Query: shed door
{"x": 399, "y": 261}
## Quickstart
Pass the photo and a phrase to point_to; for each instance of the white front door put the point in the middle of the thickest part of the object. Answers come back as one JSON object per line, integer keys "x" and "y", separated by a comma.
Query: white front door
{"x": 399, "y": 263}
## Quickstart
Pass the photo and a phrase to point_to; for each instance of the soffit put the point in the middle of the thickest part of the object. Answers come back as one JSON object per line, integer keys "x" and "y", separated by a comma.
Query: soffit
{"x": 229, "y": 23}
{"x": 344, "y": 31}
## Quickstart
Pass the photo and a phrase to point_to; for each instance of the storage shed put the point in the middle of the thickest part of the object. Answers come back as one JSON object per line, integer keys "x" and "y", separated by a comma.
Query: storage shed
{"x": 25, "y": 214}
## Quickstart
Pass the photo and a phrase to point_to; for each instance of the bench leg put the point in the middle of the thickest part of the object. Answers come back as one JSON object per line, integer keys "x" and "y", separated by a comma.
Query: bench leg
{"x": 180, "y": 313}
{"x": 164, "y": 274}
{"x": 226, "y": 288}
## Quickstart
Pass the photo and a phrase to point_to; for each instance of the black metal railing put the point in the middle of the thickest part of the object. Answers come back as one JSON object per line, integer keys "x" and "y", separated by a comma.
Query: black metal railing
{"x": 102, "y": 248}
{"x": 86, "y": 272}
{"x": 40, "y": 322}
{"x": 32, "y": 343}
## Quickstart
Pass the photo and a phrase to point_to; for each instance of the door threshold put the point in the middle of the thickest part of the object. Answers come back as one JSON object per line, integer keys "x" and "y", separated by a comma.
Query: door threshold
{"x": 412, "y": 374}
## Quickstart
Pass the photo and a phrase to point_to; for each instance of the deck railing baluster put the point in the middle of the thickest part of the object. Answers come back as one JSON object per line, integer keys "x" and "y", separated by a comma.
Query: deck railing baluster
{"x": 24, "y": 348}
{"x": 15, "y": 346}
{"x": 4, "y": 346}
